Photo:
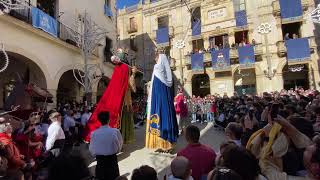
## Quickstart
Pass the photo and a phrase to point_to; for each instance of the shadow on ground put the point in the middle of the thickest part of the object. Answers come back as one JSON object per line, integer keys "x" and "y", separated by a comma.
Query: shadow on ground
{"x": 135, "y": 154}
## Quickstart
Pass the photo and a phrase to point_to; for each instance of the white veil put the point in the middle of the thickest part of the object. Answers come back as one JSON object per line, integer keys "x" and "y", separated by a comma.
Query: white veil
{"x": 163, "y": 72}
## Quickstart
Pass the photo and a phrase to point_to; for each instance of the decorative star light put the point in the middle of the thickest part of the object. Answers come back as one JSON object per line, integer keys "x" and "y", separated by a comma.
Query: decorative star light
{"x": 315, "y": 14}
{"x": 264, "y": 28}
{"x": 296, "y": 68}
{"x": 12, "y": 5}
{"x": 180, "y": 44}
{"x": 6, "y": 59}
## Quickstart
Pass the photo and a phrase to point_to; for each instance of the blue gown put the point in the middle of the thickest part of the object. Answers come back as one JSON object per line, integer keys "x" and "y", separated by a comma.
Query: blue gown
{"x": 162, "y": 104}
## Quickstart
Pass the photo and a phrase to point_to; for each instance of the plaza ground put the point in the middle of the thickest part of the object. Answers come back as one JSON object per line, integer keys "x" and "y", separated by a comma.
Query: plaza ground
{"x": 135, "y": 154}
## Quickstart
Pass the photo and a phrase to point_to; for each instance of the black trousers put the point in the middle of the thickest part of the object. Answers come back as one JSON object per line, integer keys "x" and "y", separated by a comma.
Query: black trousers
{"x": 107, "y": 167}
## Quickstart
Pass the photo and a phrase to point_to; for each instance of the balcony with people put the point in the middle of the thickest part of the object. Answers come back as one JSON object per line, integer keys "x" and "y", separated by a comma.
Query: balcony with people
{"x": 298, "y": 47}
{"x": 220, "y": 45}
{"x": 294, "y": 45}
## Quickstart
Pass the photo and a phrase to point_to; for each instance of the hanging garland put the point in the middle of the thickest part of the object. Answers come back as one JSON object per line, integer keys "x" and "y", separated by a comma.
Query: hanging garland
{"x": 296, "y": 68}
{"x": 6, "y": 60}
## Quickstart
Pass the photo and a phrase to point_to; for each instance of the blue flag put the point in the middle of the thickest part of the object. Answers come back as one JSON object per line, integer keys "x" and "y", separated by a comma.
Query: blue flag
{"x": 241, "y": 18}
{"x": 246, "y": 56}
{"x": 45, "y": 22}
{"x": 197, "y": 62}
{"x": 298, "y": 49}
{"x": 163, "y": 35}
{"x": 290, "y": 9}
{"x": 220, "y": 59}
{"x": 107, "y": 11}
{"x": 196, "y": 28}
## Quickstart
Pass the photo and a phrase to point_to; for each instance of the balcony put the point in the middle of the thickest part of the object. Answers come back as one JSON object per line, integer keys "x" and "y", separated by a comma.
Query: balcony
{"x": 65, "y": 33}
{"x": 258, "y": 50}
{"x": 206, "y": 58}
{"x": 187, "y": 60}
{"x": 171, "y": 33}
{"x": 234, "y": 55}
{"x": 277, "y": 11}
{"x": 282, "y": 50}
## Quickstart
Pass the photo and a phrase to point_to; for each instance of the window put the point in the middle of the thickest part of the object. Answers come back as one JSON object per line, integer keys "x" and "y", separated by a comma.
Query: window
{"x": 196, "y": 16}
{"x": 133, "y": 25}
{"x": 221, "y": 41}
{"x": 163, "y": 22}
{"x": 108, "y": 3}
{"x": 108, "y": 50}
{"x": 223, "y": 74}
{"x": 47, "y": 6}
{"x": 291, "y": 30}
{"x": 197, "y": 45}
{"x": 241, "y": 37}
{"x": 133, "y": 43}
{"x": 239, "y": 5}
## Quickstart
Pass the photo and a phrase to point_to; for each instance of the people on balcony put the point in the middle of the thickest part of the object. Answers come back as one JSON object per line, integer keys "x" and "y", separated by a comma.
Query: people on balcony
{"x": 287, "y": 36}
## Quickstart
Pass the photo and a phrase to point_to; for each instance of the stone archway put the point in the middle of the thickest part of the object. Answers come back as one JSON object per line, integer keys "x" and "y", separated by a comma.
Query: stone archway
{"x": 69, "y": 89}
{"x": 200, "y": 85}
{"x": 102, "y": 86}
{"x": 20, "y": 68}
{"x": 245, "y": 81}
{"x": 295, "y": 76}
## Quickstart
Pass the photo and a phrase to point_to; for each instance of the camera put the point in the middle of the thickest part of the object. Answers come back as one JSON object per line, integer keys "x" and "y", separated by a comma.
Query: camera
{"x": 274, "y": 110}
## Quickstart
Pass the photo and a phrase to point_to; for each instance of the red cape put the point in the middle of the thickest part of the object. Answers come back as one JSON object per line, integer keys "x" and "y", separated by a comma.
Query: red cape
{"x": 111, "y": 101}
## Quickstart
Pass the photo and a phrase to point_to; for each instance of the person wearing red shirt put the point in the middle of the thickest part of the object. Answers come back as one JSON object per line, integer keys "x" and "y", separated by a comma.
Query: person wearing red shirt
{"x": 202, "y": 157}
{"x": 181, "y": 110}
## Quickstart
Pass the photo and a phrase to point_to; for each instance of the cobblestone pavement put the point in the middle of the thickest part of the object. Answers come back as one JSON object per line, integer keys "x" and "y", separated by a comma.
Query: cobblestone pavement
{"x": 135, "y": 155}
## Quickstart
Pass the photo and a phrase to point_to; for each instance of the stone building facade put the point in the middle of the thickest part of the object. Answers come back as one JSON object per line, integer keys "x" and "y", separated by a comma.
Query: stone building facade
{"x": 47, "y": 60}
{"x": 225, "y": 24}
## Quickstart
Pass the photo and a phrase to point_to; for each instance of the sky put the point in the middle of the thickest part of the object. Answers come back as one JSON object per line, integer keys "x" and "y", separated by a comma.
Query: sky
{"x": 123, "y": 3}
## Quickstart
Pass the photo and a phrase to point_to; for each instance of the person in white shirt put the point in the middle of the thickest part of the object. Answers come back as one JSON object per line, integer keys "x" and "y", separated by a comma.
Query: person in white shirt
{"x": 105, "y": 143}
{"x": 56, "y": 137}
{"x": 85, "y": 116}
{"x": 69, "y": 122}
{"x": 181, "y": 169}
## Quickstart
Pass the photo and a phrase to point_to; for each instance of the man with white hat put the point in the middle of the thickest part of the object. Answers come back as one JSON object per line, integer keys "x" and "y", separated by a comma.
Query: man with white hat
{"x": 56, "y": 138}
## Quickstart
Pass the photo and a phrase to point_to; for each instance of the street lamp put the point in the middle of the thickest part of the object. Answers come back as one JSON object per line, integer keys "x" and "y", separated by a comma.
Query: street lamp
{"x": 6, "y": 59}
{"x": 265, "y": 29}
{"x": 180, "y": 44}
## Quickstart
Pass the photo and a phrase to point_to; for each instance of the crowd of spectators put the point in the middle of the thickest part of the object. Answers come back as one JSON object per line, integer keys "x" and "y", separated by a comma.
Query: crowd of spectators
{"x": 226, "y": 45}
{"x": 274, "y": 136}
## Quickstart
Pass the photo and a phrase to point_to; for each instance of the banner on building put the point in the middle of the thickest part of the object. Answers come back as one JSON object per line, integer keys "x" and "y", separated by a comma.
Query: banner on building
{"x": 246, "y": 56}
{"x": 290, "y": 10}
{"x": 107, "y": 11}
{"x": 197, "y": 62}
{"x": 163, "y": 36}
{"x": 241, "y": 18}
{"x": 43, "y": 21}
{"x": 298, "y": 49}
{"x": 221, "y": 59}
{"x": 196, "y": 27}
